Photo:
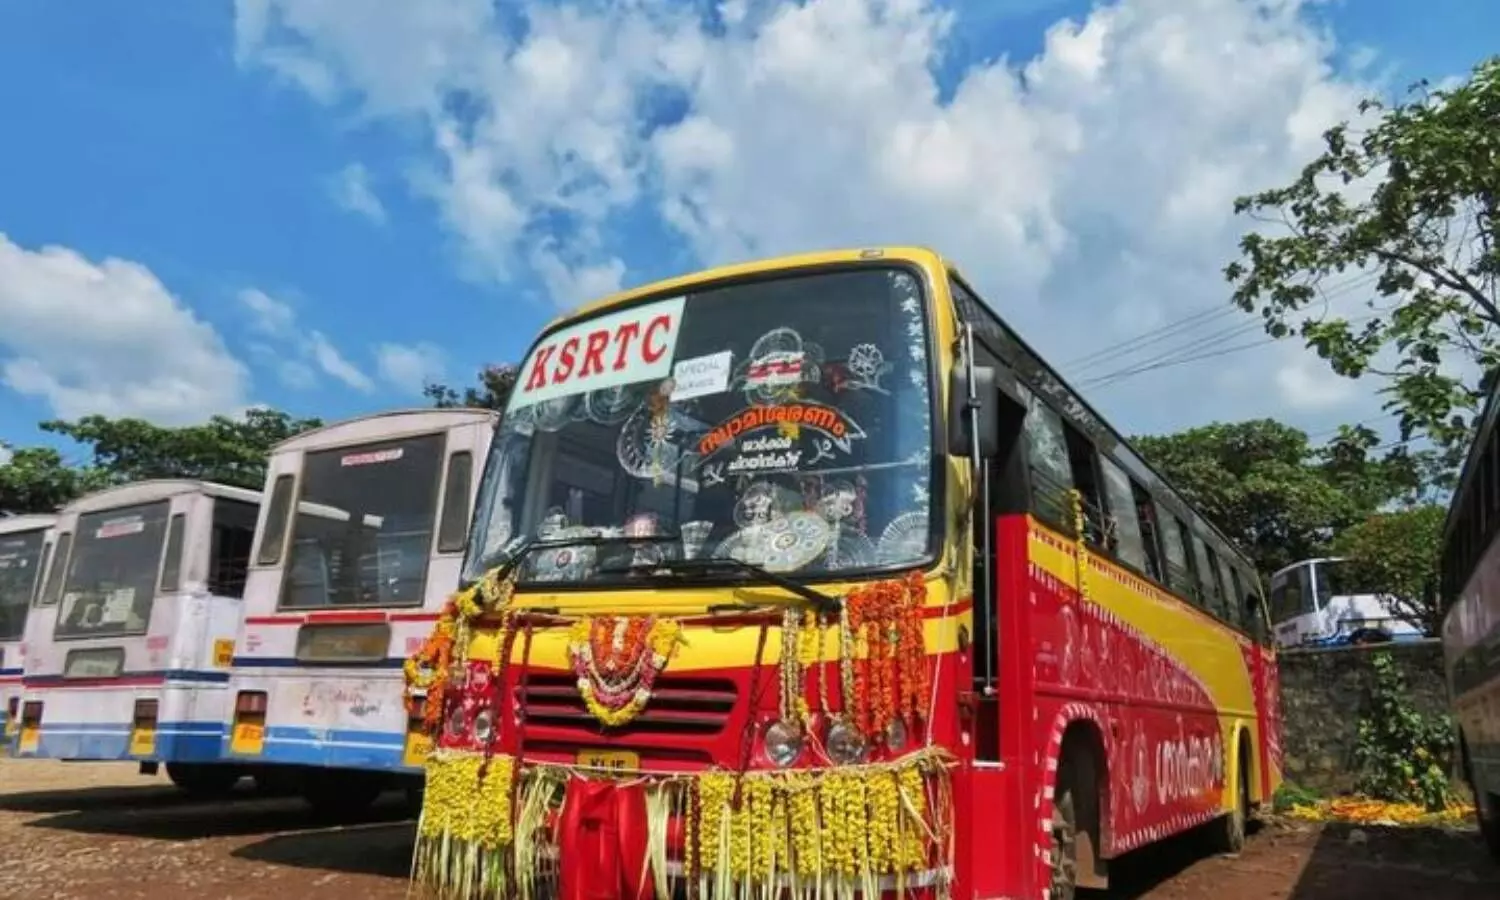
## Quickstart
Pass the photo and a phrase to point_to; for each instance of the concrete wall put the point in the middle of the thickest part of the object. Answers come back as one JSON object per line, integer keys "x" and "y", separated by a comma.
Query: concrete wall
{"x": 1324, "y": 694}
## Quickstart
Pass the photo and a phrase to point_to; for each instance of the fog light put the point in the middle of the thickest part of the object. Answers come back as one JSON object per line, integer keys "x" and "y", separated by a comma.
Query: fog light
{"x": 456, "y": 723}
{"x": 484, "y": 726}
{"x": 844, "y": 743}
{"x": 783, "y": 742}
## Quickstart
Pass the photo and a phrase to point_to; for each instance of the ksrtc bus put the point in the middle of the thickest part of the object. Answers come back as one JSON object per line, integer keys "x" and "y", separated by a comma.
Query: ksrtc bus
{"x": 129, "y": 645}
{"x": 1470, "y": 570}
{"x": 1312, "y": 605}
{"x": 25, "y": 542}
{"x": 341, "y": 591}
{"x": 809, "y": 573}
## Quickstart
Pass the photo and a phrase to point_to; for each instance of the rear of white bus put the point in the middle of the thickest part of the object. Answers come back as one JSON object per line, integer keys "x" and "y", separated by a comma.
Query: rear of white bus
{"x": 129, "y": 646}
{"x": 359, "y": 545}
{"x": 24, "y": 544}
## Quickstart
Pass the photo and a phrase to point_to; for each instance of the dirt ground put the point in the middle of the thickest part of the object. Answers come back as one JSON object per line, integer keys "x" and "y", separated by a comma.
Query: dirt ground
{"x": 91, "y": 831}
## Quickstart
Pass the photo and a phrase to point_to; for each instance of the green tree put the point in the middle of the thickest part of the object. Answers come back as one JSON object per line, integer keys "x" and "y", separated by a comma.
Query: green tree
{"x": 1414, "y": 201}
{"x": 1279, "y": 497}
{"x": 37, "y": 480}
{"x": 492, "y": 392}
{"x": 226, "y": 450}
{"x": 1395, "y": 554}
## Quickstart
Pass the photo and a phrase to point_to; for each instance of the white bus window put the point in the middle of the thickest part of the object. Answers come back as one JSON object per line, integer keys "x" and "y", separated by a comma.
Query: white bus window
{"x": 229, "y": 552}
{"x": 111, "y": 580}
{"x": 276, "y": 521}
{"x": 60, "y": 555}
{"x": 171, "y": 567}
{"x": 20, "y": 560}
{"x": 1291, "y": 595}
{"x": 453, "y": 530}
{"x": 362, "y": 534}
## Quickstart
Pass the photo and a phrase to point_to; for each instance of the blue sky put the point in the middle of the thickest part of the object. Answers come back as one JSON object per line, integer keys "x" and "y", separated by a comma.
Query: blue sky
{"x": 417, "y": 197}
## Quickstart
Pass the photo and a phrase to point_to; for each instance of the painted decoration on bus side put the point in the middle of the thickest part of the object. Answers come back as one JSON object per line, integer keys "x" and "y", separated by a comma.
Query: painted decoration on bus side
{"x": 620, "y": 348}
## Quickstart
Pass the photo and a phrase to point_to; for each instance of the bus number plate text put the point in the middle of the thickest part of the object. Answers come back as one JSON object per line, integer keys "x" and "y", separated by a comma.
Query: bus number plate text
{"x": 248, "y": 737}
{"x": 619, "y": 760}
{"x": 142, "y": 741}
{"x": 418, "y": 746}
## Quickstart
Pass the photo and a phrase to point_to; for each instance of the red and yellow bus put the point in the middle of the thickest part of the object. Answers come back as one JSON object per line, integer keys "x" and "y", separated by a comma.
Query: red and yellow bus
{"x": 1471, "y": 628}
{"x": 807, "y": 577}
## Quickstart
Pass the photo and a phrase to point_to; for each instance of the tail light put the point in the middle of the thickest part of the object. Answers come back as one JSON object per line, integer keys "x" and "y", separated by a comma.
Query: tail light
{"x": 11, "y": 708}
{"x": 250, "y": 703}
{"x": 145, "y": 713}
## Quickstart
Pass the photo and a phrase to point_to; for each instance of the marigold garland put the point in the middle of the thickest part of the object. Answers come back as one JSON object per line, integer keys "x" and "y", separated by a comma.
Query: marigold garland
{"x": 883, "y": 654}
{"x": 617, "y": 660}
{"x": 431, "y": 671}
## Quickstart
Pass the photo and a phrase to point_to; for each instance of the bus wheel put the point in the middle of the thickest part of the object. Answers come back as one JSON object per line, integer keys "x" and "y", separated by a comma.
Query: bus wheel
{"x": 203, "y": 781}
{"x": 340, "y": 795}
{"x": 1228, "y": 834}
{"x": 1486, "y": 808}
{"x": 1064, "y": 851}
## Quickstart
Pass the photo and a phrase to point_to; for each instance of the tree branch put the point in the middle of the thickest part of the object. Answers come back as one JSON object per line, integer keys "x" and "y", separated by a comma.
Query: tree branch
{"x": 1453, "y": 283}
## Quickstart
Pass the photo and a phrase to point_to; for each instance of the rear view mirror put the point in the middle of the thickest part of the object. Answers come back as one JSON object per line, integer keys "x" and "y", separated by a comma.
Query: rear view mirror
{"x": 973, "y": 413}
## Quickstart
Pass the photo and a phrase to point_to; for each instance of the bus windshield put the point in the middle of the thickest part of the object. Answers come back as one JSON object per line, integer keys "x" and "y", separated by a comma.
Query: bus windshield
{"x": 19, "y": 556}
{"x": 111, "y": 578}
{"x": 363, "y": 529}
{"x": 785, "y": 423}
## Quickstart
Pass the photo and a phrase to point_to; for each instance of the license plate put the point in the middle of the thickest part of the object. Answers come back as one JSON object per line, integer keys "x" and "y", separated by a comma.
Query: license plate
{"x": 418, "y": 746}
{"x": 620, "y": 760}
{"x": 31, "y": 738}
{"x": 248, "y": 737}
{"x": 223, "y": 653}
{"x": 142, "y": 741}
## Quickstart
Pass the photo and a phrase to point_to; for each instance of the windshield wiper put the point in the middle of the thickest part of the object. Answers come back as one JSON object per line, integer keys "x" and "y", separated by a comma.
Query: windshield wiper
{"x": 512, "y": 556}
{"x": 825, "y": 604}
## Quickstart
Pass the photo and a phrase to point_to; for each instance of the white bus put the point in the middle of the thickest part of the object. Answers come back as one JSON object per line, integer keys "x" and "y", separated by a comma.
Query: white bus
{"x": 129, "y": 645}
{"x": 25, "y": 542}
{"x": 1312, "y": 606}
{"x": 340, "y": 593}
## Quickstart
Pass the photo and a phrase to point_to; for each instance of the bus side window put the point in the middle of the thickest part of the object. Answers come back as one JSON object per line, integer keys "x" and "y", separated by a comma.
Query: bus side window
{"x": 1047, "y": 461}
{"x": 1124, "y": 523}
{"x": 1234, "y": 611}
{"x": 1208, "y": 574}
{"x": 453, "y": 527}
{"x": 171, "y": 564}
{"x": 59, "y": 568}
{"x": 40, "y": 583}
{"x": 276, "y": 522}
{"x": 1179, "y": 569}
{"x": 1084, "y": 463}
{"x": 1193, "y": 589}
{"x": 229, "y": 555}
{"x": 1151, "y": 535}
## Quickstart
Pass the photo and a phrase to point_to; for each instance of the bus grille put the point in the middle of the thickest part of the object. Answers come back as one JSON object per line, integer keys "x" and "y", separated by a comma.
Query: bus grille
{"x": 679, "y": 705}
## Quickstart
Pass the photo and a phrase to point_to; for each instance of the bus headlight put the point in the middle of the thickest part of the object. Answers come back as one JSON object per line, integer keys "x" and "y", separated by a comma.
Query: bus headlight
{"x": 783, "y": 743}
{"x": 844, "y": 743}
{"x": 456, "y": 723}
{"x": 895, "y": 736}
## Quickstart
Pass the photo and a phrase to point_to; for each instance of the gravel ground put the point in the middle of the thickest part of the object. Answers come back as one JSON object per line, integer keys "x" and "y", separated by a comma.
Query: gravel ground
{"x": 86, "y": 831}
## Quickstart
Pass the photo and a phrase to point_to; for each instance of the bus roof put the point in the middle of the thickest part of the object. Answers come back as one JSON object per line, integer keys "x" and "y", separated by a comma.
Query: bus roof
{"x": 26, "y": 522}
{"x": 382, "y": 425}
{"x": 920, "y": 255}
{"x": 153, "y": 490}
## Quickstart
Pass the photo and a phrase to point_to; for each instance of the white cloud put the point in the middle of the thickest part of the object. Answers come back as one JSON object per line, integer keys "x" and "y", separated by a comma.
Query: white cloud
{"x": 351, "y": 189}
{"x": 293, "y": 353}
{"x": 6, "y": 455}
{"x": 108, "y": 337}
{"x": 1085, "y": 191}
{"x": 410, "y": 367}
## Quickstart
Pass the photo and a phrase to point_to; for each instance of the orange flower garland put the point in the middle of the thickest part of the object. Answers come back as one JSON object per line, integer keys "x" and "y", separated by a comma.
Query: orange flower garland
{"x": 429, "y": 671}
{"x": 892, "y": 679}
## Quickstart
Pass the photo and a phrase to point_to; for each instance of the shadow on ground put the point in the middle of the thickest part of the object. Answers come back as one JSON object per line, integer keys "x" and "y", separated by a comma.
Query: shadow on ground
{"x": 1396, "y": 864}
{"x": 382, "y": 849}
{"x": 166, "y": 814}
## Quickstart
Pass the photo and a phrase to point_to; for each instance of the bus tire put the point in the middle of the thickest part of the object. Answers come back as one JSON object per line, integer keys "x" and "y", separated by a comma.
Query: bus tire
{"x": 342, "y": 795}
{"x": 1486, "y": 807}
{"x": 1227, "y": 834}
{"x": 203, "y": 781}
{"x": 1063, "y": 854}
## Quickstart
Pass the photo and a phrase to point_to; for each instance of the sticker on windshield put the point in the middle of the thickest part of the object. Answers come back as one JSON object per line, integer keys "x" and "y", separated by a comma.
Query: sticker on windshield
{"x": 702, "y": 375}
{"x": 114, "y": 528}
{"x": 834, "y": 424}
{"x": 625, "y": 347}
{"x": 372, "y": 457}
